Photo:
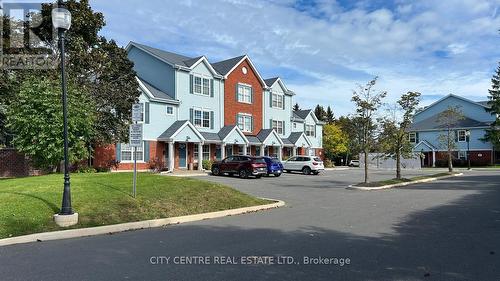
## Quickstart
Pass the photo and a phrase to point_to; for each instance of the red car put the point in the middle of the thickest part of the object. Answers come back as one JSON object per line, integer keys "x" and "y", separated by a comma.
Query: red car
{"x": 243, "y": 166}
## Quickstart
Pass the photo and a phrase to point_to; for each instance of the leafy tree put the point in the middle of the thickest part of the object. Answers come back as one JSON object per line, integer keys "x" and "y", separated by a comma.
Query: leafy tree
{"x": 367, "y": 101}
{"x": 335, "y": 140}
{"x": 448, "y": 120}
{"x": 493, "y": 134}
{"x": 35, "y": 115}
{"x": 320, "y": 113}
{"x": 393, "y": 138}
{"x": 329, "y": 116}
{"x": 296, "y": 107}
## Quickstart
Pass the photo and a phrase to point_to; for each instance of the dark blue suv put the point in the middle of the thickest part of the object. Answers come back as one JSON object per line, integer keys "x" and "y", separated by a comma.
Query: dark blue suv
{"x": 274, "y": 166}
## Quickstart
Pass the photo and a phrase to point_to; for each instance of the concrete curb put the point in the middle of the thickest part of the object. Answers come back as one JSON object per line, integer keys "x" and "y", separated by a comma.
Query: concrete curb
{"x": 337, "y": 169}
{"x": 401, "y": 184}
{"x": 115, "y": 228}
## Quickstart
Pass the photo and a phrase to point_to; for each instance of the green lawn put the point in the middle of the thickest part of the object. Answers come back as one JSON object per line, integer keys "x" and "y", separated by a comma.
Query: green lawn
{"x": 394, "y": 181}
{"x": 27, "y": 204}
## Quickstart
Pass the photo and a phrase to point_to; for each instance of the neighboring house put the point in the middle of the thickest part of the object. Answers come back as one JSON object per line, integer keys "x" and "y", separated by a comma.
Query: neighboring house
{"x": 426, "y": 129}
{"x": 195, "y": 110}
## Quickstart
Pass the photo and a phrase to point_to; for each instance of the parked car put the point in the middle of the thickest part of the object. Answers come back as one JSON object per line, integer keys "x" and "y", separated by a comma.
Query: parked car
{"x": 274, "y": 166}
{"x": 243, "y": 166}
{"x": 354, "y": 163}
{"x": 304, "y": 164}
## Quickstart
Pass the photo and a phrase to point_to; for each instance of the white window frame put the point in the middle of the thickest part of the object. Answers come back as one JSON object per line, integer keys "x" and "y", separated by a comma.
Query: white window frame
{"x": 140, "y": 150}
{"x": 242, "y": 95}
{"x": 462, "y": 154}
{"x": 294, "y": 125}
{"x": 202, "y": 117}
{"x": 249, "y": 150}
{"x": 414, "y": 137}
{"x": 245, "y": 117}
{"x": 200, "y": 89}
{"x": 310, "y": 133}
{"x": 206, "y": 152}
{"x": 277, "y": 126}
{"x": 464, "y": 135}
{"x": 278, "y": 99}
{"x": 166, "y": 110}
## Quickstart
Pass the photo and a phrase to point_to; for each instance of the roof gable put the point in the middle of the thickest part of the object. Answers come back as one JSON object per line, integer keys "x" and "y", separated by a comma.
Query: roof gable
{"x": 269, "y": 137}
{"x": 272, "y": 81}
{"x": 232, "y": 134}
{"x": 228, "y": 66}
{"x": 154, "y": 94}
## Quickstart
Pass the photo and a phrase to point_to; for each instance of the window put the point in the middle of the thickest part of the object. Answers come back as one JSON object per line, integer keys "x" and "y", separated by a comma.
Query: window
{"x": 278, "y": 100}
{"x": 462, "y": 155}
{"x": 294, "y": 125}
{"x": 278, "y": 126}
{"x": 202, "y": 118}
{"x": 412, "y": 137}
{"x": 249, "y": 150}
{"x": 245, "y": 122}
{"x": 201, "y": 85}
{"x": 170, "y": 110}
{"x": 462, "y": 135}
{"x": 310, "y": 130}
{"x": 244, "y": 94}
{"x": 206, "y": 152}
{"x": 195, "y": 153}
{"x": 127, "y": 152}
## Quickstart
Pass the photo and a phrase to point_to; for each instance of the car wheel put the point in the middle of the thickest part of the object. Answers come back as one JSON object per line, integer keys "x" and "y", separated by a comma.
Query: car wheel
{"x": 277, "y": 174}
{"x": 288, "y": 171}
{"x": 306, "y": 171}
{"x": 243, "y": 174}
{"x": 215, "y": 171}
{"x": 315, "y": 173}
{"x": 258, "y": 176}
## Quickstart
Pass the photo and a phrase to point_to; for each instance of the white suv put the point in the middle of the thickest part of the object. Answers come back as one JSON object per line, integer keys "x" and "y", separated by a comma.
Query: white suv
{"x": 304, "y": 164}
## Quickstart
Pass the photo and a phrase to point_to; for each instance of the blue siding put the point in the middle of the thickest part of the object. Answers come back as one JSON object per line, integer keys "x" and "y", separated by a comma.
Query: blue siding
{"x": 279, "y": 114}
{"x": 471, "y": 110}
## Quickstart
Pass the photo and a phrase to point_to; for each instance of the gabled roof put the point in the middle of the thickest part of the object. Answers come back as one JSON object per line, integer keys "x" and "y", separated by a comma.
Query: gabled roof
{"x": 225, "y": 67}
{"x": 455, "y": 96}
{"x": 426, "y": 143}
{"x": 302, "y": 114}
{"x": 210, "y": 136}
{"x": 154, "y": 93}
{"x": 173, "y": 59}
{"x": 484, "y": 103}
{"x": 271, "y": 81}
{"x": 432, "y": 123}
{"x": 295, "y": 136}
{"x": 264, "y": 134}
{"x": 227, "y": 130}
{"x": 286, "y": 141}
{"x": 296, "y": 117}
{"x": 253, "y": 140}
{"x": 176, "y": 127}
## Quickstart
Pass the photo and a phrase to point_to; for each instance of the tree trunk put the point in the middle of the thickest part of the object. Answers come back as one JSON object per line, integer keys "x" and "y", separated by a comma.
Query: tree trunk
{"x": 450, "y": 162}
{"x": 398, "y": 165}
{"x": 366, "y": 165}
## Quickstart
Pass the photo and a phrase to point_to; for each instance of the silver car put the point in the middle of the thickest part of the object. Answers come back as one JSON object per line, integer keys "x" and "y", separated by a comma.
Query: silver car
{"x": 305, "y": 164}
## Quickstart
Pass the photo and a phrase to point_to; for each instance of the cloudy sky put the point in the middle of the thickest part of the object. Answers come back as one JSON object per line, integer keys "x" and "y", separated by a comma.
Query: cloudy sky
{"x": 324, "y": 48}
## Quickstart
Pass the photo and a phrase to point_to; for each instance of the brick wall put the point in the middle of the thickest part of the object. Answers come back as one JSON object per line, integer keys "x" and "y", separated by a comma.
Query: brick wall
{"x": 15, "y": 164}
{"x": 104, "y": 155}
{"x": 233, "y": 107}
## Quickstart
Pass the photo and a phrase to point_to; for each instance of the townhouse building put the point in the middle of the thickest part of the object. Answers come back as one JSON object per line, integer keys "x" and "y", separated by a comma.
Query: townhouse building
{"x": 195, "y": 110}
{"x": 468, "y": 132}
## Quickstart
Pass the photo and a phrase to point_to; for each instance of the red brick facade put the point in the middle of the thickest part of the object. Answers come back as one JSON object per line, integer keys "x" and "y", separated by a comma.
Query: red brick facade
{"x": 15, "y": 164}
{"x": 231, "y": 105}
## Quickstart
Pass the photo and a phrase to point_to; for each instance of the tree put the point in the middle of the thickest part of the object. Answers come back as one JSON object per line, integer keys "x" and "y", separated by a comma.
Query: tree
{"x": 493, "y": 134}
{"x": 329, "y": 117}
{"x": 35, "y": 115}
{"x": 296, "y": 107}
{"x": 320, "y": 113}
{"x": 393, "y": 139}
{"x": 335, "y": 140}
{"x": 448, "y": 120}
{"x": 367, "y": 101}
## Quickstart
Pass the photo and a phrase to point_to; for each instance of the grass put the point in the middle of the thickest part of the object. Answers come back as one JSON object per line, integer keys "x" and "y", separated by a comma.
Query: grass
{"x": 27, "y": 204}
{"x": 395, "y": 181}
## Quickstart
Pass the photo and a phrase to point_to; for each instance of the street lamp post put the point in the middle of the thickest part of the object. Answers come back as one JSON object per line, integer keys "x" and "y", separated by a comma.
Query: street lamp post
{"x": 61, "y": 20}
{"x": 467, "y": 133}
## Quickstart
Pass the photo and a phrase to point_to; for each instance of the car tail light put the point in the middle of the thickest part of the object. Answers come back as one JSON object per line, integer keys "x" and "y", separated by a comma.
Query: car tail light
{"x": 315, "y": 163}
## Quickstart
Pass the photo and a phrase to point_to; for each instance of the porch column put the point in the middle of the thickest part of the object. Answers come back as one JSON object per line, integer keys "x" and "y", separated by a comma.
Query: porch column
{"x": 433, "y": 158}
{"x": 262, "y": 152}
{"x": 171, "y": 157}
{"x": 200, "y": 156}
{"x": 245, "y": 149}
{"x": 222, "y": 151}
{"x": 280, "y": 153}
{"x": 294, "y": 151}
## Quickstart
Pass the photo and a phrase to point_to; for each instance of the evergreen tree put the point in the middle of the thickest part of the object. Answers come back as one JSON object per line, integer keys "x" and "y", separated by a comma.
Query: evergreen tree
{"x": 330, "y": 118}
{"x": 493, "y": 134}
{"x": 320, "y": 113}
{"x": 296, "y": 107}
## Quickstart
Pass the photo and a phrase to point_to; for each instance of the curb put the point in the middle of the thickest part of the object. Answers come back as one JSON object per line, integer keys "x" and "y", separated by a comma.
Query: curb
{"x": 401, "y": 184}
{"x": 337, "y": 169}
{"x": 115, "y": 228}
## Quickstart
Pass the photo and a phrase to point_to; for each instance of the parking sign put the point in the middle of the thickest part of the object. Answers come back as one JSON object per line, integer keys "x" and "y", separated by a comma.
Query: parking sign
{"x": 137, "y": 109}
{"x": 136, "y": 135}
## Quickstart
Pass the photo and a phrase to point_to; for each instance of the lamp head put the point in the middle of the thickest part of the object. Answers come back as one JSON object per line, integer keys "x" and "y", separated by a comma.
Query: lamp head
{"x": 61, "y": 18}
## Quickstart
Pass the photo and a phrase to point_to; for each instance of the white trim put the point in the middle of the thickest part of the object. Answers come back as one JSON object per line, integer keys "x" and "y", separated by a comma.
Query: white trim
{"x": 150, "y": 96}
{"x": 186, "y": 158}
{"x": 426, "y": 143}
{"x": 306, "y": 138}
{"x": 187, "y": 123}
{"x": 275, "y": 134}
{"x": 409, "y": 137}
{"x": 253, "y": 68}
{"x": 447, "y": 96}
{"x": 166, "y": 110}
{"x": 132, "y": 153}
{"x": 202, "y": 77}
{"x": 457, "y": 128}
{"x": 282, "y": 126}
{"x": 203, "y": 110}
{"x": 465, "y": 134}
{"x": 279, "y": 95}
{"x": 239, "y": 132}
{"x": 207, "y": 63}
{"x": 243, "y": 86}
{"x": 282, "y": 84}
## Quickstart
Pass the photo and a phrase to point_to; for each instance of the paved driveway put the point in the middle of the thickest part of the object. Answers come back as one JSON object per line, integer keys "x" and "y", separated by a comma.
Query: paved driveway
{"x": 447, "y": 230}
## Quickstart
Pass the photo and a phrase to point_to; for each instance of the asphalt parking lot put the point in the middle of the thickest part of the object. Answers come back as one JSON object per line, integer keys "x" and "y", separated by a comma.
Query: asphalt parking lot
{"x": 445, "y": 230}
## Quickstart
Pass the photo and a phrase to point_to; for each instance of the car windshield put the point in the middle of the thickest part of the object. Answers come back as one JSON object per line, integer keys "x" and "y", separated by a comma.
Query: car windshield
{"x": 275, "y": 161}
{"x": 317, "y": 159}
{"x": 259, "y": 160}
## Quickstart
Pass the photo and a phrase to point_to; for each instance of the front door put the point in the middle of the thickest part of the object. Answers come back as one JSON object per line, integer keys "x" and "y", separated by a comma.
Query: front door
{"x": 182, "y": 155}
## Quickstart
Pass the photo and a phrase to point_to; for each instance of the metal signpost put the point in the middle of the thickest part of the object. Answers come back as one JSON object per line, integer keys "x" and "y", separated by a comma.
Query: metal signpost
{"x": 135, "y": 138}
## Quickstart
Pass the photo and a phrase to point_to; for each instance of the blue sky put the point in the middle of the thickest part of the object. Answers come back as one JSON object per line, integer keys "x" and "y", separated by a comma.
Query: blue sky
{"x": 324, "y": 48}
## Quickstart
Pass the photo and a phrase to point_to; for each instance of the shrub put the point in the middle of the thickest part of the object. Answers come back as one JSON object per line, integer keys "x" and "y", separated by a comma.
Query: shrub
{"x": 85, "y": 170}
{"x": 328, "y": 163}
{"x": 207, "y": 164}
{"x": 156, "y": 164}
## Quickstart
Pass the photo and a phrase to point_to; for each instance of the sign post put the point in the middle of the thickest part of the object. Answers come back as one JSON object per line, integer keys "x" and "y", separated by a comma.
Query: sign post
{"x": 135, "y": 139}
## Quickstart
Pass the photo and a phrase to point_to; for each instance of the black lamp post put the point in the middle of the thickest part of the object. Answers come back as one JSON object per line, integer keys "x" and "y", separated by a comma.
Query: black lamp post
{"x": 467, "y": 134}
{"x": 61, "y": 19}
